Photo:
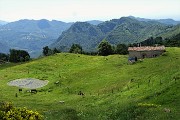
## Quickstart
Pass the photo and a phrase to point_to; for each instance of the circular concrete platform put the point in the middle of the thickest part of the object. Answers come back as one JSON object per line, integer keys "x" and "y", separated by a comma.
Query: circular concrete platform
{"x": 30, "y": 83}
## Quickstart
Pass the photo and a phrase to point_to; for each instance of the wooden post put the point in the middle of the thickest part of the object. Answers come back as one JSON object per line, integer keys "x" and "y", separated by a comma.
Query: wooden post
{"x": 160, "y": 82}
{"x": 175, "y": 79}
{"x": 149, "y": 82}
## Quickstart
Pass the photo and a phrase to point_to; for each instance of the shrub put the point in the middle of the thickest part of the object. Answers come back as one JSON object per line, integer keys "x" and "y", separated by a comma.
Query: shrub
{"x": 9, "y": 112}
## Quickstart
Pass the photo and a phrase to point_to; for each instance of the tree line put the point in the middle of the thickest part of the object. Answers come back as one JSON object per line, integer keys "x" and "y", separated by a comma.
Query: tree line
{"x": 168, "y": 42}
{"x": 104, "y": 49}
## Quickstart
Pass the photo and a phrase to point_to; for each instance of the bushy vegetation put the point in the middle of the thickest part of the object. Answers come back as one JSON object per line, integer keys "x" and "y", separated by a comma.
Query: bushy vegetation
{"x": 4, "y": 57}
{"x": 105, "y": 48}
{"x": 47, "y": 51}
{"x": 173, "y": 41}
{"x": 18, "y": 56}
{"x": 9, "y": 112}
{"x": 15, "y": 56}
{"x": 121, "y": 49}
{"x": 76, "y": 48}
{"x": 152, "y": 41}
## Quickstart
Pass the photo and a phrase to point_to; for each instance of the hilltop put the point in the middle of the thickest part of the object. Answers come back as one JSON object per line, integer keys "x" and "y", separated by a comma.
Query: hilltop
{"x": 113, "y": 88}
{"x": 83, "y": 33}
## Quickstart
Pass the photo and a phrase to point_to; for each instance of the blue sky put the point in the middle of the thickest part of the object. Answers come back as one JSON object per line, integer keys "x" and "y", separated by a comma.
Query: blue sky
{"x": 82, "y": 10}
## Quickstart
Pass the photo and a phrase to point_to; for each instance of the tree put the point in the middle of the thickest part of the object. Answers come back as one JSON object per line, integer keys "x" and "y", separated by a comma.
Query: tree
{"x": 4, "y": 57}
{"x": 76, "y": 48}
{"x": 104, "y": 48}
{"x": 121, "y": 49}
{"x": 152, "y": 41}
{"x": 158, "y": 40}
{"x": 46, "y": 50}
{"x": 18, "y": 56}
{"x": 173, "y": 41}
{"x": 56, "y": 51}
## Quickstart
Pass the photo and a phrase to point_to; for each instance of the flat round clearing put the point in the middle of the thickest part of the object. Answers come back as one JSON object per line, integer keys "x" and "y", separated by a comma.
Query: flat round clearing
{"x": 30, "y": 83}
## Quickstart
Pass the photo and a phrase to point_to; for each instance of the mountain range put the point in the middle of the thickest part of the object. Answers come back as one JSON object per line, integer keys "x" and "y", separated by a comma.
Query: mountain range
{"x": 124, "y": 30}
{"x": 164, "y": 21}
{"x": 33, "y": 35}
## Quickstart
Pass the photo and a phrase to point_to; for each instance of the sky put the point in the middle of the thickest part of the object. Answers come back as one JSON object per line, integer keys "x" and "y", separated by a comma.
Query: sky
{"x": 83, "y": 10}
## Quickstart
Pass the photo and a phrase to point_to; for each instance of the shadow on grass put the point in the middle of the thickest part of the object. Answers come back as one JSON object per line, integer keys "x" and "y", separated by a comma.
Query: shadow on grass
{"x": 63, "y": 114}
{"x": 8, "y": 65}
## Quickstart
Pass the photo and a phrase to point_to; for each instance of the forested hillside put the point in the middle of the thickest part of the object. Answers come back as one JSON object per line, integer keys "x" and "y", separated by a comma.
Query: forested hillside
{"x": 124, "y": 30}
{"x": 31, "y": 35}
{"x": 83, "y": 33}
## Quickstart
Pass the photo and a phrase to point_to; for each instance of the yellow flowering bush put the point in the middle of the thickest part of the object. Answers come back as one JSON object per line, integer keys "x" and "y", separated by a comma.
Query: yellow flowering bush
{"x": 9, "y": 112}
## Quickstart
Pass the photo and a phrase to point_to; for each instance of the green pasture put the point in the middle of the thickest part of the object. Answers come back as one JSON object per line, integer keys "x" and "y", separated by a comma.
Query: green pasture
{"x": 113, "y": 89}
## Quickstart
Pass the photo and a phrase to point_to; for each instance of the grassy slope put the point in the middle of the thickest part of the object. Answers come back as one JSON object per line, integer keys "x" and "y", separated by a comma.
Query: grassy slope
{"x": 113, "y": 89}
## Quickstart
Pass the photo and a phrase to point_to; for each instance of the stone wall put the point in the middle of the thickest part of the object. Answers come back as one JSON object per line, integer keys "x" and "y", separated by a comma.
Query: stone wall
{"x": 145, "y": 54}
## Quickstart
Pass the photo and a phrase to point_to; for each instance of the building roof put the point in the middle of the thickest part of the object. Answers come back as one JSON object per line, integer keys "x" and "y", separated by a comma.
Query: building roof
{"x": 146, "y": 48}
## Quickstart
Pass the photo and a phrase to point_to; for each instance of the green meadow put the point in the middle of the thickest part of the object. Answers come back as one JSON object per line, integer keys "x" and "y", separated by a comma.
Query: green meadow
{"x": 113, "y": 89}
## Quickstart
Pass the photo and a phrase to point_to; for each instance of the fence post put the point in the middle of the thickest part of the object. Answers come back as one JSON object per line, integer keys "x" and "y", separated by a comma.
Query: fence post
{"x": 160, "y": 82}
{"x": 149, "y": 82}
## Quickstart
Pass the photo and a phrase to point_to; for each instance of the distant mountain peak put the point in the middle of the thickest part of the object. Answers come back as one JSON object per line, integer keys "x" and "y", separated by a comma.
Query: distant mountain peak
{"x": 43, "y": 23}
{"x": 3, "y": 22}
{"x": 167, "y": 21}
{"x": 94, "y": 22}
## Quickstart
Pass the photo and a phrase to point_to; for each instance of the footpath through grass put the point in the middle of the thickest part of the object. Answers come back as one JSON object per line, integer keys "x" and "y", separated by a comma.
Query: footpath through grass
{"x": 113, "y": 88}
